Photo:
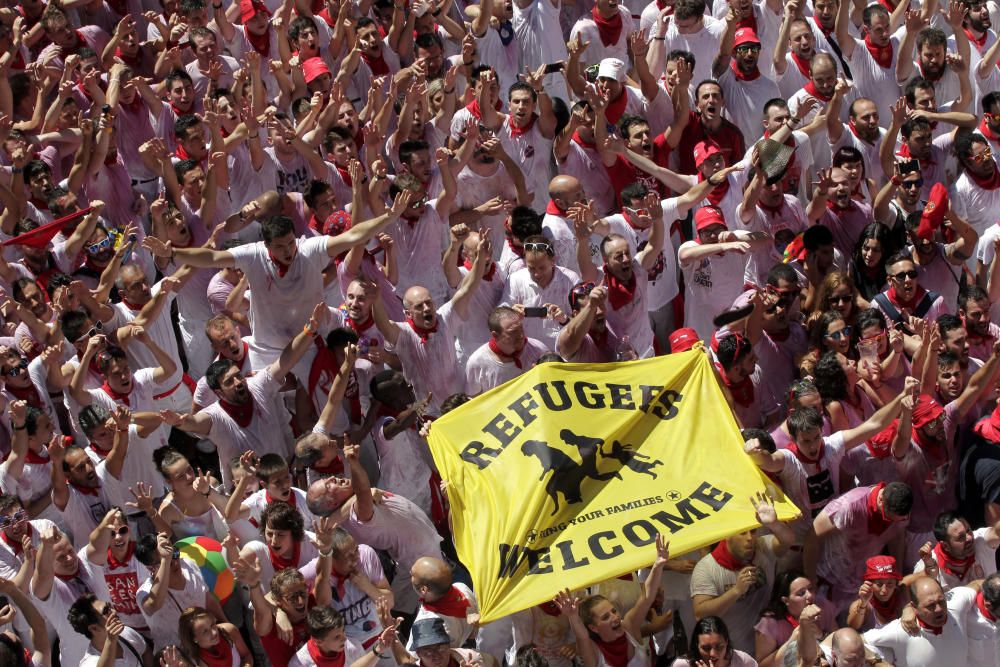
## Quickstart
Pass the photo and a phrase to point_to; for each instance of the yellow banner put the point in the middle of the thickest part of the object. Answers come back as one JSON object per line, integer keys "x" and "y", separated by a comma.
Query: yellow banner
{"x": 564, "y": 476}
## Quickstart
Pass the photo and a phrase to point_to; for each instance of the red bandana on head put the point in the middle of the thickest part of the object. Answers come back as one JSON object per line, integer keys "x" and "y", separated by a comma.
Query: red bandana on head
{"x": 609, "y": 30}
{"x": 453, "y": 603}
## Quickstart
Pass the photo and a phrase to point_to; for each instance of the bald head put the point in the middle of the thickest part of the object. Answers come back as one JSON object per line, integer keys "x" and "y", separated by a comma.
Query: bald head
{"x": 415, "y": 295}
{"x": 848, "y": 647}
{"x": 565, "y": 191}
{"x": 822, "y": 63}
{"x": 431, "y": 578}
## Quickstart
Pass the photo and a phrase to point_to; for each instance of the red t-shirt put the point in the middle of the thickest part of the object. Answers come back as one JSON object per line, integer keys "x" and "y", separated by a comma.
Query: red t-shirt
{"x": 728, "y": 137}
{"x": 623, "y": 173}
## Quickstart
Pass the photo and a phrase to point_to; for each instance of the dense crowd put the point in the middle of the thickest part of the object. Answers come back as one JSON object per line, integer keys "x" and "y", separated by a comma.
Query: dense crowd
{"x": 252, "y": 248}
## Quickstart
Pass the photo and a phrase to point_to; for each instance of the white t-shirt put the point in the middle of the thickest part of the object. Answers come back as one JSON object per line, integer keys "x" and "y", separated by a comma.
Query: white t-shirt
{"x": 711, "y": 285}
{"x": 586, "y": 30}
{"x": 419, "y": 248}
{"x": 164, "y": 622}
{"x": 745, "y": 101}
{"x": 926, "y": 649}
{"x": 431, "y": 366}
{"x": 458, "y": 628}
{"x": 132, "y": 646}
{"x": 983, "y": 634}
{"x": 984, "y": 566}
{"x": 123, "y": 581}
{"x": 485, "y": 370}
{"x": 521, "y": 289}
{"x": 403, "y": 464}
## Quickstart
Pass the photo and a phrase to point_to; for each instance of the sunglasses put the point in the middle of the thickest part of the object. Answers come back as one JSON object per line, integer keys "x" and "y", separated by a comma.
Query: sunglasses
{"x": 871, "y": 339}
{"x": 539, "y": 247}
{"x": 784, "y": 295}
{"x": 903, "y": 275}
{"x": 121, "y": 532}
{"x": 846, "y": 298}
{"x": 911, "y": 185}
{"x": 843, "y": 333}
{"x": 637, "y": 212}
{"x": 93, "y": 331}
{"x": 96, "y": 248}
{"x": 751, "y": 48}
{"x": 16, "y": 370}
{"x": 12, "y": 519}
{"x": 982, "y": 157}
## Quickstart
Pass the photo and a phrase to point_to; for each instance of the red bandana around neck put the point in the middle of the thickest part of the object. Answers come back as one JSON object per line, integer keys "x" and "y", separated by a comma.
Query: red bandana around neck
{"x": 378, "y": 66}
{"x": 932, "y": 79}
{"x": 826, "y": 33}
{"x": 741, "y": 75}
{"x": 424, "y": 334}
{"x": 810, "y": 88}
{"x": 18, "y": 548}
{"x": 909, "y": 305}
{"x": 889, "y": 610}
{"x": 28, "y": 394}
{"x": 260, "y": 43}
{"x": 980, "y": 42}
{"x": 490, "y": 272}
{"x": 85, "y": 490}
{"x": 35, "y": 458}
{"x": 620, "y": 294}
{"x": 550, "y": 608}
{"x": 878, "y": 523}
{"x": 220, "y": 655}
{"x": 516, "y": 131}
{"x": 616, "y": 108}
{"x": 933, "y": 629}
{"x": 610, "y": 30}
{"x": 985, "y": 130}
{"x": 725, "y": 558}
{"x": 503, "y": 356}
{"x": 991, "y": 182}
{"x": 584, "y": 144}
{"x": 114, "y": 563}
{"x": 956, "y": 567}
{"x": 797, "y": 453}
{"x": 716, "y": 194}
{"x": 345, "y": 175}
{"x": 742, "y": 392}
{"x": 880, "y": 54}
{"x": 115, "y": 396}
{"x": 615, "y": 652}
{"x": 360, "y": 328}
{"x": 552, "y": 208}
{"x": 280, "y": 267}
{"x": 280, "y": 562}
{"x": 453, "y": 603}
{"x": 801, "y": 63}
{"x": 981, "y": 604}
{"x": 321, "y": 659}
{"x": 473, "y": 108}
{"x": 904, "y": 152}
{"x": 241, "y": 414}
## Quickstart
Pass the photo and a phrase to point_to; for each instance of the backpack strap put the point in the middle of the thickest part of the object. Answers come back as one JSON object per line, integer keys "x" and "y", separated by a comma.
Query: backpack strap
{"x": 890, "y": 310}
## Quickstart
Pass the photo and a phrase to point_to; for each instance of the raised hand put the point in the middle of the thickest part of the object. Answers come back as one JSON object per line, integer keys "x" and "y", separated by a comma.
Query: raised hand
{"x": 569, "y": 604}
{"x": 143, "y": 498}
{"x": 764, "y": 508}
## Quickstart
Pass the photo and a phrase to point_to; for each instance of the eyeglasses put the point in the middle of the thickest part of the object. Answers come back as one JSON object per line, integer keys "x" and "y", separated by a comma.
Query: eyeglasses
{"x": 16, "y": 370}
{"x": 95, "y": 248}
{"x": 910, "y": 185}
{"x": 751, "y": 48}
{"x": 903, "y": 275}
{"x": 982, "y": 157}
{"x": 843, "y": 333}
{"x": 844, "y": 298}
{"x": 538, "y": 247}
{"x": 296, "y": 595}
{"x": 12, "y": 519}
{"x": 93, "y": 331}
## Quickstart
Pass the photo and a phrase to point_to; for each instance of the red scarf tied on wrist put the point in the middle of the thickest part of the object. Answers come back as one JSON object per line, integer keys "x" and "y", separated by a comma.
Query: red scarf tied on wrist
{"x": 956, "y": 567}
{"x": 503, "y": 356}
{"x": 424, "y": 334}
{"x": 610, "y": 30}
{"x": 453, "y": 603}
{"x": 880, "y": 54}
{"x": 725, "y": 558}
{"x": 620, "y": 294}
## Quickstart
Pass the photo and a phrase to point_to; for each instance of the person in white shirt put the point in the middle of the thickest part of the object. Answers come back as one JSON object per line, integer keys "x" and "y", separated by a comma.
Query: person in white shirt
{"x": 606, "y": 28}
{"x": 872, "y": 59}
{"x": 111, "y": 558}
{"x": 745, "y": 88}
{"x": 542, "y": 283}
{"x": 941, "y": 638}
{"x": 506, "y": 355}
{"x": 979, "y": 611}
{"x": 961, "y": 554}
{"x": 442, "y": 597}
{"x": 111, "y": 642}
{"x": 795, "y": 48}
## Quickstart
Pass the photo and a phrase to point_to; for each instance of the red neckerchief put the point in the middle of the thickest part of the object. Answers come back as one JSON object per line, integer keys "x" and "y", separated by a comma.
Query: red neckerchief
{"x": 260, "y": 43}
{"x": 803, "y": 65}
{"x": 246, "y": 349}
{"x": 956, "y": 567}
{"x": 345, "y": 175}
{"x": 220, "y": 655}
{"x": 552, "y": 208}
{"x": 610, "y": 30}
{"x": 826, "y": 33}
{"x": 724, "y": 557}
{"x": 182, "y": 153}
{"x": 878, "y": 523}
{"x": 178, "y": 111}
{"x": 904, "y": 152}
{"x": 628, "y": 219}
{"x": 362, "y": 327}
{"x": 929, "y": 78}
{"x": 810, "y": 88}
{"x": 28, "y": 394}
{"x": 378, "y": 66}
{"x": 748, "y": 22}
{"x": 133, "y": 61}
{"x": 742, "y": 393}
{"x": 516, "y": 131}
{"x": 473, "y": 108}
{"x": 38, "y": 203}
{"x": 102, "y": 453}
{"x": 889, "y": 7}
{"x": 619, "y": 294}
{"x": 114, "y": 563}
{"x": 334, "y": 468}
{"x": 911, "y": 304}
{"x": 991, "y": 182}
{"x": 282, "y": 563}
{"x": 616, "y": 108}
{"x": 550, "y": 608}
{"x": 115, "y": 396}
{"x": 797, "y": 453}
{"x": 880, "y": 54}
{"x": 774, "y": 211}
{"x": 241, "y": 414}
{"x": 888, "y": 610}
{"x": 34, "y": 458}
{"x": 281, "y": 267}
{"x": 933, "y": 629}
{"x": 585, "y": 144}
{"x": 321, "y": 659}
{"x": 268, "y": 499}
{"x": 741, "y": 75}
{"x": 340, "y": 583}
{"x": 615, "y": 652}
{"x": 981, "y": 604}
{"x": 424, "y": 334}
{"x": 85, "y": 490}
{"x": 489, "y": 275}
{"x": 519, "y": 252}
{"x": 453, "y": 603}
{"x": 716, "y": 194}
{"x": 792, "y": 621}
{"x": 503, "y": 356}
{"x": 980, "y": 42}
{"x": 985, "y": 130}
{"x": 15, "y": 545}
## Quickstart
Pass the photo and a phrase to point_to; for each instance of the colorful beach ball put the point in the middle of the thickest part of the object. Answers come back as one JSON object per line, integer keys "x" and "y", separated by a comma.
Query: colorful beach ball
{"x": 207, "y": 554}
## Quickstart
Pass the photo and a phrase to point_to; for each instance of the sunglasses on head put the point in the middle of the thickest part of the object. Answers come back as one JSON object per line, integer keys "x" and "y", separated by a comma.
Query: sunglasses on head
{"x": 15, "y": 518}
{"x": 95, "y": 248}
{"x": 579, "y": 292}
{"x": 93, "y": 331}
{"x": 637, "y": 212}
{"x": 903, "y": 275}
{"x": 843, "y": 333}
{"x": 539, "y": 247}
{"x": 877, "y": 337}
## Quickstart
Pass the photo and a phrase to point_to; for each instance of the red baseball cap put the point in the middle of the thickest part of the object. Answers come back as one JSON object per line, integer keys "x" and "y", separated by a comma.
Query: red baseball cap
{"x": 338, "y": 223}
{"x": 706, "y": 216}
{"x": 250, "y": 9}
{"x": 881, "y": 567}
{"x": 934, "y": 211}
{"x": 683, "y": 340}
{"x": 746, "y": 36}
{"x": 314, "y": 68}
{"x": 704, "y": 150}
